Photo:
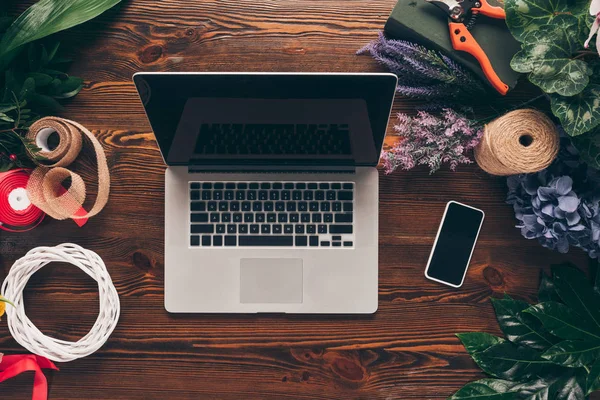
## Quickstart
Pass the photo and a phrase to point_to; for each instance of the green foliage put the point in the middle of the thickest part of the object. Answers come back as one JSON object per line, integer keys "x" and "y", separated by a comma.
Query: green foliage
{"x": 50, "y": 16}
{"x": 33, "y": 81}
{"x": 552, "y": 33}
{"x": 552, "y": 349}
{"x": 588, "y": 146}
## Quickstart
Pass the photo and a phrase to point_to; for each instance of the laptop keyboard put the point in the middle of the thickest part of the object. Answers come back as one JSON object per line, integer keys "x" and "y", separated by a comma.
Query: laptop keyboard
{"x": 272, "y": 214}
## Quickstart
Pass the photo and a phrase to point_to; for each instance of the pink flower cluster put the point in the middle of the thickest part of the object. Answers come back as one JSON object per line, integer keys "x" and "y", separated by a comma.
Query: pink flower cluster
{"x": 430, "y": 140}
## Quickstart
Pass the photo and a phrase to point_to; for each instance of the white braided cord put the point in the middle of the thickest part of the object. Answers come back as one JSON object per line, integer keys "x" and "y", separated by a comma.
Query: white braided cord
{"x": 28, "y": 335}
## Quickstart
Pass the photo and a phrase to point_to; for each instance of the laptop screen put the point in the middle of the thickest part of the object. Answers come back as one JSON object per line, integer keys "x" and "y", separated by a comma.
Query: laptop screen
{"x": 268, "y": 119}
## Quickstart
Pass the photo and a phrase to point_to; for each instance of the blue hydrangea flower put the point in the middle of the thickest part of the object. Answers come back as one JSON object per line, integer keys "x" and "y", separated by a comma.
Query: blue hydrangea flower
{"x": 559, "y": 206}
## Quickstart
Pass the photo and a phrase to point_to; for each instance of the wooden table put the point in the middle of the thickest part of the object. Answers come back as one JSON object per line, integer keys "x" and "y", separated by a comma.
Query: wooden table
{"x": 407, "y": 350}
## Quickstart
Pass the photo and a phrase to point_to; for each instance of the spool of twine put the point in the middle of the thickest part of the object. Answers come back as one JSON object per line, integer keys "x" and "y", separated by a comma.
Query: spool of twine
{"x": 522, "y": 141}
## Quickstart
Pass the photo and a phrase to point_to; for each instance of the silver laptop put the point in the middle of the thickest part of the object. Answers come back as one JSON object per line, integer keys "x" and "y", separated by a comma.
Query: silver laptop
{"x": 271, "y": 193}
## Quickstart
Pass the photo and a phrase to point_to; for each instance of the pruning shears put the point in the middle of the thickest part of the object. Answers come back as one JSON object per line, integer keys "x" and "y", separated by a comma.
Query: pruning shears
{"x": 462, "y": 15}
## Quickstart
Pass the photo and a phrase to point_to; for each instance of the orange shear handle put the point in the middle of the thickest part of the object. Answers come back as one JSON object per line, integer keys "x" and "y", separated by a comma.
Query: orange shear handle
{"x": 490, "y": 11}
{"x": 462, "y": 40}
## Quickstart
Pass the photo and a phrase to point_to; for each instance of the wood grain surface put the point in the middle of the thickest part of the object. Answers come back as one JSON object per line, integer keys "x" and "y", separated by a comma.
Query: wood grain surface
{"x": 407, "y": 350}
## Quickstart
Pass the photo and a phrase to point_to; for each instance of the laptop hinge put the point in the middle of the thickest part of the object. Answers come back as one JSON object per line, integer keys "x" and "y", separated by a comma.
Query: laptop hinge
{"x": 236, "y": 169}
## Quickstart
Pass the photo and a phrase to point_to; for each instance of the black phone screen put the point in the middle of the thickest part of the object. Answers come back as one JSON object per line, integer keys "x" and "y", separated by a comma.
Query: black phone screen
{"x": 455, "y": 243}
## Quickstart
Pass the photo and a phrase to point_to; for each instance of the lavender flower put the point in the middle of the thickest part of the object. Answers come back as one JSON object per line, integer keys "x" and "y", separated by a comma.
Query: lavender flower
{"x": 423, "y": 73}
{"x": 432, "y": 141}
{"x": 559, "y": 206}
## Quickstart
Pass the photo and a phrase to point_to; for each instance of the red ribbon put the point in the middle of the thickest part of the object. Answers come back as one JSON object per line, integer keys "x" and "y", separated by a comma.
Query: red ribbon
{"x": 16, "y": 220}
{"x": 11, "y": 366}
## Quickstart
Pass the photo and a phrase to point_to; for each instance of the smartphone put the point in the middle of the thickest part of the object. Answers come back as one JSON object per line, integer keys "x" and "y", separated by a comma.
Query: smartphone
{"x": 454, "y": 244}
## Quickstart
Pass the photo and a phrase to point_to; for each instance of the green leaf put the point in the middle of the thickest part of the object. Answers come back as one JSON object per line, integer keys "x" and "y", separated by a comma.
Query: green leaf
{"x": 593, "y": 379}
{"x": 6, "y": 118}
{"x": 27, "y": 89}
{"x": 588, "y": 146}
{"x": 50, "y": 16}
{"x": 486, "y": 389}
{"x": 521, "y": 328}
{"x": 526, "y": 16}
{"x": 546, "y": 56}
{"x": 573, "y": 353}
{"x": 546, "y": 291}
{"x": 563, "y": 322}
{"x": 47, "y": 103}
{"x": 580, "y": 113}
{"x": 67, "y": 88}
{"x": 509, "y": 361}
{"x": 53, "y": 51}
{"x": 576, "y": 291}
{"x": 40, "y": 79}
{"x": 476, "y": 342}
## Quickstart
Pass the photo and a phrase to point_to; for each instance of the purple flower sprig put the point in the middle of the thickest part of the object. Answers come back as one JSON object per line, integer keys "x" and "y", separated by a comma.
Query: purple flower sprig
{"x": 424, "y": 73}
{"x": 432, "y": 141}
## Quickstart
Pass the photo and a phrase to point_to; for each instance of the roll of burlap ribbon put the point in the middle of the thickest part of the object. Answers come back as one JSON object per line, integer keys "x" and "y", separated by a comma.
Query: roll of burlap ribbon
{"x": 45, "y": 184}
{"x": 522, "y": 141}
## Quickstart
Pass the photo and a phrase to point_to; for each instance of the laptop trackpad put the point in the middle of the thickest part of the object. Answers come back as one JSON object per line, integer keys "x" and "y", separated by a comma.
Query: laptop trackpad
{"x": 271, "y": 280}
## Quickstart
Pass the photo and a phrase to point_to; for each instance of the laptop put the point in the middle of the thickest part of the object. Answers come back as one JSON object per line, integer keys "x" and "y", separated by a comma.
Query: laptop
{"x": 271, "y": 190}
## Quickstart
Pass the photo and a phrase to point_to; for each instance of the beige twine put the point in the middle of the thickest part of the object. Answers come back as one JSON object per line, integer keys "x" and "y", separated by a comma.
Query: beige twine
{"x": 522, "y": 141}
{"x": 44, "y": 186}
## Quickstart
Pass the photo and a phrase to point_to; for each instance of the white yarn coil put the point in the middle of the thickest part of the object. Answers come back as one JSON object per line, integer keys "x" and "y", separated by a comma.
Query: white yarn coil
{"x": 28, "y": 335}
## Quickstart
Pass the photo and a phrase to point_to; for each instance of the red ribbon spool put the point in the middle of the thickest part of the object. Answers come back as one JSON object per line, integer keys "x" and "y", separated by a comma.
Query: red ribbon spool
{"x": 17, "y": 214}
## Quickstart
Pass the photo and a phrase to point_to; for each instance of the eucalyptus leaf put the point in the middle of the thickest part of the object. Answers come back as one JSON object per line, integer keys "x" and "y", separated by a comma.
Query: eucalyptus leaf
{"x": 526, "y": 16}
{"x": 563, "y": 322}
{"x": 588, "y": 146}
{"x": 40, "y": 79}
{"x": 476, "y": 342}
{"x": 509, "y": 361}
{"x": 50, "y": 16}
{"x": 521, "y": 328}
{"x": 593, "y": 379}
{"x": 486, "y": 389}
{"x": 573, "y": 353}
{"x": 580, "y": 113}
{"x": 576, "y": 291}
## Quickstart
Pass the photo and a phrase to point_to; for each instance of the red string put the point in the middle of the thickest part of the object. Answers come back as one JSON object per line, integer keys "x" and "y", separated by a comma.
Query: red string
{"x": 16, "y": 220}
{"x": 11, "y": 366}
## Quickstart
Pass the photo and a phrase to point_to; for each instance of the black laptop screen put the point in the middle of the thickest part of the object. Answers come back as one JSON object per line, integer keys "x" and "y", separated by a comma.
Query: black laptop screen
{"x": 268, "y": 119}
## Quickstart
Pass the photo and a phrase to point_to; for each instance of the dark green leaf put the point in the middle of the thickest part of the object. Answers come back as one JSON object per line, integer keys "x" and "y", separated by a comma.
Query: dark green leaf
{"x": 526, "y": 16}
{"x": 67, "y": 88}
{"x": 593, "y": 379}
{"x": 576, "y": 291}
{"x": 588, "y": 146}
{"x": 509, "y": 361}
{"x": 578, "y": 114}
{"x": 519, "y": 327}
{"x": 573, "y": 353}
{"x": 546, "y": 291}
{"x": 563, "y": 322}
{"x": 50, "y": 16}
{"x": 571, "y": 387}
{"x": 40, "y": 79}
{"x": 486, "y": 389}
{"x": 53, "y": 51}
{"x": 44, "y": 102}
{"x": 476, "y": 342}
{"x": 27, "y": 89}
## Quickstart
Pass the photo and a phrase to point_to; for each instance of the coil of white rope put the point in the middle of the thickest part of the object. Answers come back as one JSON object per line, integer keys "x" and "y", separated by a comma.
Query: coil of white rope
{"x": 28, "y": 335}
